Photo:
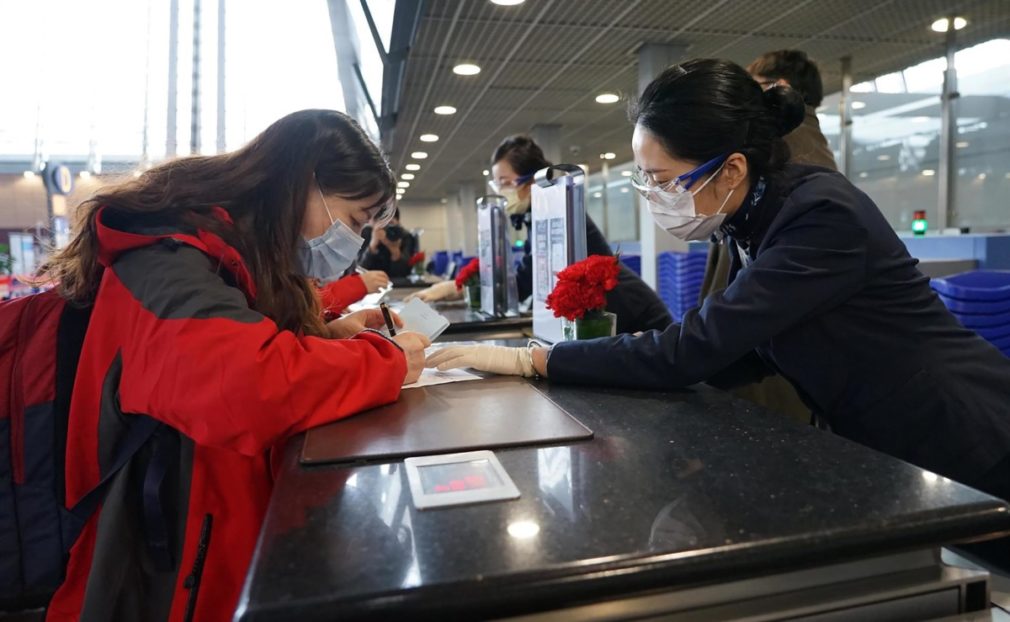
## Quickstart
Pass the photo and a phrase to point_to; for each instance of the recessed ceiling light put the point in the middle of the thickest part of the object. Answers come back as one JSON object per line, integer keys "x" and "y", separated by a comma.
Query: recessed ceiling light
{"x": 607, "y": 98}
{"x": 624, "y": 189}
{"x": 625, "y": 173}
{"x": 610, "y": 155}
{"x": 445, "y": 110}
{"x": 485, "y": 172}
{"x": 466, "y": 69}
{"x": 429, "y": 138}
{"x": 597, "y": 195}
{"x": 507, "y": 2}
{"x": 864, "y": 175}
{"x": 419, "y": 155}
{"x": 962, "y": 144}
{"x": 413, "y": 167}
{"x": 883, "y": 157}
{"x": 403, "y": 184}
{"x": 943, "y": 24}
{"x": 858, "y": 105}
{"x": 928, "y": 172}
{"x": 407, "y": 176}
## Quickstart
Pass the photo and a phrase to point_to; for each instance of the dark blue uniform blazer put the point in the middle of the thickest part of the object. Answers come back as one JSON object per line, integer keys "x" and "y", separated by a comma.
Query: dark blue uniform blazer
{"x": 830, "y": 299}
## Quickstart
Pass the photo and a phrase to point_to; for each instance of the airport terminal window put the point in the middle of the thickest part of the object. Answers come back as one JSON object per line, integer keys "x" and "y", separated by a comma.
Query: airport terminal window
{"x": 983, "y": 136}
{"x": 612, "y": 205}
{"x": 93, "y": 98}
{"x": 896, "y": 138}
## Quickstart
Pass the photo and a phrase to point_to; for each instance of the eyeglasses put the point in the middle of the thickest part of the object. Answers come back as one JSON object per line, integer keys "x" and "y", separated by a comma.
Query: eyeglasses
{"x": 522, "y": 180}
{"x": 683, "y": 183}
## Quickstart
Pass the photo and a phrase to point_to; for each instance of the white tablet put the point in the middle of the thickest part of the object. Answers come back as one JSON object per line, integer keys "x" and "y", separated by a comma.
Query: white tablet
{"x": 458, "y": 479}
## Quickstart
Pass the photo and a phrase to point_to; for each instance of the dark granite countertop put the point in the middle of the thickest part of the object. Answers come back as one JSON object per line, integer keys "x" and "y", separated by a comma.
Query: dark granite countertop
{"x": 676, "y": 488}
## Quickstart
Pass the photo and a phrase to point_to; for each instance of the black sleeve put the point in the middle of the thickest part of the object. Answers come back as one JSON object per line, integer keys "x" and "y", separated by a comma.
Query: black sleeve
{"x": 401, "y": 267}
{"x": 596, "y": 244}
{"x": 524, "y": 273}
{"x": 812, "y": 264}
{"x": 637, "y": 305}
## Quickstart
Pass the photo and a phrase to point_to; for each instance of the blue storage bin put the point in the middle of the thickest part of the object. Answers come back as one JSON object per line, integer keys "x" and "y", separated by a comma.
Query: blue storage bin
{"x": 983, "y": 320}
{"x": 975, "y": 306}
{"x": 978, "y": 285}
{"x": 441, "y": 261}
{"x": 633, "y": 262}
{"x": 993, "y": 332}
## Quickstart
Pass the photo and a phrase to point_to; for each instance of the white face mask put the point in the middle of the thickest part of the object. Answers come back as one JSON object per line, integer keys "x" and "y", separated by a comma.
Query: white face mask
{"x": 673, "y": 209}
{"x": 327, "y": 257}
{"x": 514, "y": 205}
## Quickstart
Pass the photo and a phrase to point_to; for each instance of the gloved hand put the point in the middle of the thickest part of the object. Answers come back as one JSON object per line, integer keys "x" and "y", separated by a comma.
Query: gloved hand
{"x": 494, "y": 359}
{"x": 446, "y": 290}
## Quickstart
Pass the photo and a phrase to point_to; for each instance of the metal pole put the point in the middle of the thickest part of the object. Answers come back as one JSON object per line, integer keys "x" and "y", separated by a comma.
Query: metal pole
{"x": 194, "y": 125}
{"x": 171, "y": 144}
{"x": 946, "y": 213}
{"x": 220, "y": 76}
{"x": 145, "y": 156}
{"x": 845, "y": 119}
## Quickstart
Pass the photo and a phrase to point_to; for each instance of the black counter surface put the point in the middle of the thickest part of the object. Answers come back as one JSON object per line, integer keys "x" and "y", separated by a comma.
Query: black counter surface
{"x": 676, "y": 489}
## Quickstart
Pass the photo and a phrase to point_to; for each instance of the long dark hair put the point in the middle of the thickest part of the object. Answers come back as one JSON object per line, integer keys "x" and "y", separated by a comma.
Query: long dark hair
{"x": 522, "y": 154}
{"x": 264, "y": 186}
{"x": 705, "y": 108}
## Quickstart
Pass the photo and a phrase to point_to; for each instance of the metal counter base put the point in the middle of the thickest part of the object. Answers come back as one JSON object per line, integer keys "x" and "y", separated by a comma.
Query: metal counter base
{"x": 907, "y": 586}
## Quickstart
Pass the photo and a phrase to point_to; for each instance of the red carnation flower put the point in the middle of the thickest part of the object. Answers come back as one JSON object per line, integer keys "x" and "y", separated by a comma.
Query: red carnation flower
{"x": 583, "y": 286}
{"x": 468, "y": 272}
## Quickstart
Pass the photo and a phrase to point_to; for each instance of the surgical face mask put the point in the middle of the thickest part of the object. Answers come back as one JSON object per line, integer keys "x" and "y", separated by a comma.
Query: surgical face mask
{"x": 327, "y": 257}
{"x": 672, "y": 204}
{"x": 514, "y": 205}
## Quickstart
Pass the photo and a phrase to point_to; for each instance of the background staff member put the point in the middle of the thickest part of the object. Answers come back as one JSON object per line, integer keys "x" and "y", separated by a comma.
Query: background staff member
{"x": 513, "y": 165}
{"x": 204, "y": 318}
{"x": 807, "y": 145}
{"x": 388, "y": 248}
{"x": 822, "y": 289}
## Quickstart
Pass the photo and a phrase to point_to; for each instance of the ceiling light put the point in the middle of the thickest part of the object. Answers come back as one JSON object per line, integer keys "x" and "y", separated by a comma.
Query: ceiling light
{"x": 597, "y": 195}
{"x": 624, "y": 189}
{"x": 445, "y": 110}
{"x": 928, "y": 172}
{"x": 419, "y": 155}
{"x": 962, "y": 144}
{"x": 610, "y": 155}
{"x": 29, "y": 174}
{"x": 485, "y": 173}
{"x": 942, "y": 24}
{"x": 84, "y": 174}
{"x": 920, "y": 119}
{"x": 466, "y": 69}
{"x": 883, "y": 157}
{"x": 864, "y": 175}
{"x": 607, "y": 98}
{"x": 403, "y": 184}
{"x": 407, "y": 176}
{"x": 413, "y": 167}
{"x": 625, "y": 173}
{"x": 507, "y": 2}
{"x": 858, "y": 105}
{"x": 428, "y": 138}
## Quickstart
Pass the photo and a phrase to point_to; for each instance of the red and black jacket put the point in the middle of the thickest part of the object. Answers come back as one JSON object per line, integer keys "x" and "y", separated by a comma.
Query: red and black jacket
{"x": 174, "y": 335}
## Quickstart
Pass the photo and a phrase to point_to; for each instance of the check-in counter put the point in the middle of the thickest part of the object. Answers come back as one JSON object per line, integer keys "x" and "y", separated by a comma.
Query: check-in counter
{"x": 684, "y": 505}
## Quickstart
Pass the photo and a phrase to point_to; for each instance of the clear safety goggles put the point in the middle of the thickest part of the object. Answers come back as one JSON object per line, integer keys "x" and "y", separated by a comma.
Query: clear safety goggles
{"x": 681, "y": 184}
{"x": 522, "y": 180}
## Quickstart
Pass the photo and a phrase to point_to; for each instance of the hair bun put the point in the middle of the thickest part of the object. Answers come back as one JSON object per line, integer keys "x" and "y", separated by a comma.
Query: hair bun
{"x": 786, "y": 108}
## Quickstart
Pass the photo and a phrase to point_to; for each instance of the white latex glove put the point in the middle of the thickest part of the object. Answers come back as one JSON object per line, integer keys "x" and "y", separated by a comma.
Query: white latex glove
{"x": 494, "y": 359}
{"x": 446, "y": 290}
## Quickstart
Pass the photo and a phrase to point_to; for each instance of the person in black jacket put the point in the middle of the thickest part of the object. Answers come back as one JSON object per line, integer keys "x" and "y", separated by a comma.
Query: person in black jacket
{"x": 388, "y": 248}
{"x": 513, "y": 165}
{"x": 821, "y": 289}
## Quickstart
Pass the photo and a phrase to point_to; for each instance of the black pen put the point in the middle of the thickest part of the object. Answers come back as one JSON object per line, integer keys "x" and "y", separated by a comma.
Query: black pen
{"x": 389, "y": 320}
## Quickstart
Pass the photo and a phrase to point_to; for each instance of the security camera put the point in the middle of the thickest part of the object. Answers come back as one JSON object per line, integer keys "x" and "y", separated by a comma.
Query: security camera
{"x": 575, "y": 151}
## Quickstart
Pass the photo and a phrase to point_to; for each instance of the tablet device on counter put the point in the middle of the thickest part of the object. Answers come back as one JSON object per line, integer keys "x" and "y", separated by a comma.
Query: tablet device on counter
{"x": 457, "y": 479}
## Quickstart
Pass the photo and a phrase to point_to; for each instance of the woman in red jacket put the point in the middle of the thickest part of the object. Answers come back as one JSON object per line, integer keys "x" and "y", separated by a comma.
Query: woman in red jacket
{"x": 204, "y": 318}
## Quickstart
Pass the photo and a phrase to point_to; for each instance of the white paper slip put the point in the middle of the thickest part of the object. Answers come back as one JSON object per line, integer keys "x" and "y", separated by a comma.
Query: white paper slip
{"x": 430, "y": 377}
{"x": 421, "y": 318}
{"x": 370, "y": 301}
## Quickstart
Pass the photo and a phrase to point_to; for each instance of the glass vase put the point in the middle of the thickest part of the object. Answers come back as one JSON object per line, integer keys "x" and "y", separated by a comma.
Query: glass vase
{"x": 593, "y": 324}
{"x": 471, "y": 293}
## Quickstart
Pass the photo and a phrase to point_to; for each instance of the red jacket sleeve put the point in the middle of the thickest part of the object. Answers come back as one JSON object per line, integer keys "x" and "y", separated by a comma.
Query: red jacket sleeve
{"x": 342, "y": 293}
{"x": 195, "y": 356}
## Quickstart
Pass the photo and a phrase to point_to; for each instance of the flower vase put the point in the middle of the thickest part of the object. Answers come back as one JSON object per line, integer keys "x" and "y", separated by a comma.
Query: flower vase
{"x": 593, "y": 324}
{"x": 471, "y": 293}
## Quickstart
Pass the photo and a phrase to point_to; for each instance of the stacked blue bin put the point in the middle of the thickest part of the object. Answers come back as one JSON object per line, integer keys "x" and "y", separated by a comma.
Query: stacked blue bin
{"x": 980, "y": 300}
{"x": 633, "y": 262}
{"x": 678, "y": 280}
{"x": 440, "y": 261}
